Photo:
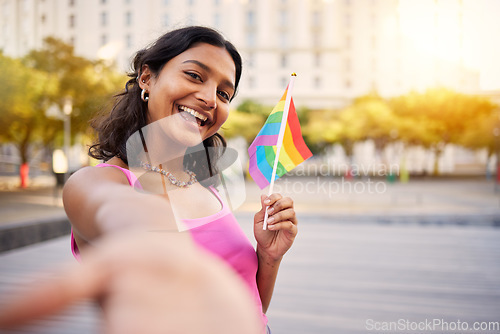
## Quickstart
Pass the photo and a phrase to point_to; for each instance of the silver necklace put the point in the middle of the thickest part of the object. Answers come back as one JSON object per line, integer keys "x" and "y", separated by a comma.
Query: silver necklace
{"x": 170, "y": 176}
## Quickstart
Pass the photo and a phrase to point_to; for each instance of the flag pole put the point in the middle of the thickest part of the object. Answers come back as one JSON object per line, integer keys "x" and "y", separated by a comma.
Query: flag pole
{"x": 280, "y": 140}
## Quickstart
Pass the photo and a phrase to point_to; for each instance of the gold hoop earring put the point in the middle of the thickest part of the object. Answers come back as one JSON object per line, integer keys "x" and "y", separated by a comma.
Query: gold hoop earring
{"x": 143, "y": 95}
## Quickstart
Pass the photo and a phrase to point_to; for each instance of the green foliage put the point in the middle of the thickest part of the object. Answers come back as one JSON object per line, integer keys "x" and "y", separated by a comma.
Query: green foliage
{"x": 431, "y": 119}
{"x": 438, "y": 116}
{"x": 368, "y": 117}
{"x": 243, "y": 124}
{"x": 254, "y": 108}
{"x": 45, "y": 78}
{"x": 483, "y": 132}
{"x": 88, "y": 83}
{"x": 24, "y": 96}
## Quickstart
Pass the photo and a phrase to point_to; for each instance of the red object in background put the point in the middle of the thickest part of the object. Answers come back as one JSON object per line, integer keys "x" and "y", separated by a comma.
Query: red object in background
{"x": 24, "y": 172}
{"x": 498, "y": 173}
{"x": 348, "y": 174}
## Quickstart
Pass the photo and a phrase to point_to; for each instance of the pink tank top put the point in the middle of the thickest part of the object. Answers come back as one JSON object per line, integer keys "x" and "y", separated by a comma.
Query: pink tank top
{"x": 219, "y": 234}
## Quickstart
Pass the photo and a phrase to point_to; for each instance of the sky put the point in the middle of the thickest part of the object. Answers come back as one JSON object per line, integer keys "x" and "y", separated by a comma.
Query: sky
{"x": 481, "y": 26}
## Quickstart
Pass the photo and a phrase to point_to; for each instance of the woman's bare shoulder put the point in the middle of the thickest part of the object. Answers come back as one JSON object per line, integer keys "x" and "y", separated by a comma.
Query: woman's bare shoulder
{"x": 87, "y": 190}
{"x": 96, "y": 176}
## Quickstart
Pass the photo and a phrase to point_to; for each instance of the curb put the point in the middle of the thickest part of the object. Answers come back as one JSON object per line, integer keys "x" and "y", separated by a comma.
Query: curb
{"x": 26, "y": 233}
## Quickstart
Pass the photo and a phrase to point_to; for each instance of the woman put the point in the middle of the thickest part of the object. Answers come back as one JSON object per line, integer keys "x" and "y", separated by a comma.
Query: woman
{"x": 182, "y": 84}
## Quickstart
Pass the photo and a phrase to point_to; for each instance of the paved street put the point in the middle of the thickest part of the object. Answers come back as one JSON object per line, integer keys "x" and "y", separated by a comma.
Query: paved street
{"x": 417, "y": 254}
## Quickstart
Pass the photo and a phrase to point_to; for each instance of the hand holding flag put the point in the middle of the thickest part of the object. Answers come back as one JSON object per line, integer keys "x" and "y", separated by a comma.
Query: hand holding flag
{"x": 279, "y": 146}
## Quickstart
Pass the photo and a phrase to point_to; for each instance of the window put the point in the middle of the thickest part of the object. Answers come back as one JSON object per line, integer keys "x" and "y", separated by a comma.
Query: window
{"x": 284, "y": 82}
{"x": 71, "y": 3}
{"x": 316, "y": 18}
{"x": 251, "y": 60}
{"x": 71, "y": 21}
{"x": 317, "y": 59}
{"x": 42, "y": 19}
{"x": 128, "y": 19}
{"x": 284, "y": 61}
{"x": 347, "y": 64}
{"x": 103, "y": 2}
{"x": 165, "y": 2}
{"x": 347, "y": 20}
{"x": 251, "y": 82}
{"x": 128, "y": 41}
{"x": 283, "y": 18}
{"x": 251, "y": 39}
{"x": 283, "y": 43}
{"x": 104, "y": 40}
{"x": 316, "y": 40}
{"x": 347, "y": 42}
{"x": 104, "y": 19}
{"x": 217, "y": 21}
{"x": 165, "y": 20}
{"x": 250, "y": 18}
{"x": 317, "y": 82}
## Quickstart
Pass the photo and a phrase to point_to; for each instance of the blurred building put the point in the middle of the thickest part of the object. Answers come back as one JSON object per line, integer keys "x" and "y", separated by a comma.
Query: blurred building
{"x": 340, "y": 49}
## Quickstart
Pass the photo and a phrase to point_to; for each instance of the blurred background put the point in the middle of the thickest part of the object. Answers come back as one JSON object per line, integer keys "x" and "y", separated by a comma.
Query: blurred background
{"x": 397, "y": 99}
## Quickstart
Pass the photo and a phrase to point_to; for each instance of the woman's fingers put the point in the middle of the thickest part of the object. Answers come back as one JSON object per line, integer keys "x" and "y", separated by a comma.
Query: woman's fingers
{"x": 48, "y": 296}
{"x": 284, "y": 215}
{"x": 286, "y": 225}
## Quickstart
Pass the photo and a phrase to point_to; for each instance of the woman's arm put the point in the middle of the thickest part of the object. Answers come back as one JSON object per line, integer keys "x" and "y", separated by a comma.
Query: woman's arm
{"x": 100, "y": 200}
{"x": 148, "y": 283}
{"x": 274, "y": 242}
{"x": 266, "y": 278}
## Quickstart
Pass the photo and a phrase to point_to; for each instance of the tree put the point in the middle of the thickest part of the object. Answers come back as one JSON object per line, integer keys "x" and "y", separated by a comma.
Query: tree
{"x": 88, "y": 83}
{"x": 44, "y": 78}
{"x": 246, "y": 121}
{"x": 243, "y": 124}
{"x": 438, "y": 117}
{"x": 24, "y": 97}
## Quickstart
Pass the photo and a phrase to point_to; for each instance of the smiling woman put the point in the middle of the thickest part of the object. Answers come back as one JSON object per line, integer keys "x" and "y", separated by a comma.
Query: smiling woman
{"x": 172, "y": 107}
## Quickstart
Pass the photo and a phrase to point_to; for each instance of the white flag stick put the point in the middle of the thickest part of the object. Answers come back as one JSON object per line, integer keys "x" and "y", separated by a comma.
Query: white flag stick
{"x": 280, "y": 140}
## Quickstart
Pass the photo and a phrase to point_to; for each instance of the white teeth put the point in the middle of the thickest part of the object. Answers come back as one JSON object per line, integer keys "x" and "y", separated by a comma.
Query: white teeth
{"x": 193, "y": 112}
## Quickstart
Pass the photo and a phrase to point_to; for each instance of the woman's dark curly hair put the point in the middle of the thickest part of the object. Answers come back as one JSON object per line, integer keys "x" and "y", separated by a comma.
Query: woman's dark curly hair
{"x": 129, "y": 113}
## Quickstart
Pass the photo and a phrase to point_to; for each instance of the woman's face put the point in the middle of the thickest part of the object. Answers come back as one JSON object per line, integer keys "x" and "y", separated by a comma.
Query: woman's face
{"x": 195, "y": 87}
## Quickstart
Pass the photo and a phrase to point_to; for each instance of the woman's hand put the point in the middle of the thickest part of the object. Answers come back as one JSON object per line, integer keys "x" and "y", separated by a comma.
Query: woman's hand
{"x": 281, "y": 226}
{"x": 146, "y": 283}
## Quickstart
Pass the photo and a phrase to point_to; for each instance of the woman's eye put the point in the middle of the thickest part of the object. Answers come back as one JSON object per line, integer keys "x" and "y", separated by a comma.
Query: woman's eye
{"x": 194, "y": 75}
{"x": 224, "y": 95}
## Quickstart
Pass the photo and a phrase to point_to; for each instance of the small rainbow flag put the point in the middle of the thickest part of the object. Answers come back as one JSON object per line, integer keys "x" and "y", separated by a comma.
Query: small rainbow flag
{"x": 263, "y": 149}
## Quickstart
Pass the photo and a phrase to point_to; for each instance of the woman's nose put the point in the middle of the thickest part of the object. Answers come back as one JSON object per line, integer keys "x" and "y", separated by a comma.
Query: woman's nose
{"x": 208, "y": 94}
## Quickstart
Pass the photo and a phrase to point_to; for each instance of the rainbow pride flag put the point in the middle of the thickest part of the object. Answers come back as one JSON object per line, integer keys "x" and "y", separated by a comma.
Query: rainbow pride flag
{"x": 263, "y": 149}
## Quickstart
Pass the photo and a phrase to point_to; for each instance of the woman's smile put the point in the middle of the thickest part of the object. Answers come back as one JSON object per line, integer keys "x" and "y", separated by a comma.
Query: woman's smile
{"x": 198, "y": 85}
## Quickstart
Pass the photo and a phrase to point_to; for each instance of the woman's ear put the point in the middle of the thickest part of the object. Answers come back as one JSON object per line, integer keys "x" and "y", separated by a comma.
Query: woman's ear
{"x": 145, "y": 77}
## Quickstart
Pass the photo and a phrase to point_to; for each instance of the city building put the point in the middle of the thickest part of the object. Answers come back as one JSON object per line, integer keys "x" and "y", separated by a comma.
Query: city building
{"x": 340, "y": 49}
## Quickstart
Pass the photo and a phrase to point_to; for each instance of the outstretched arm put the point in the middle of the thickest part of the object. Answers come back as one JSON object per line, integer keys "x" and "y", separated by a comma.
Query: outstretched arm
{"x": 147, "y": 284}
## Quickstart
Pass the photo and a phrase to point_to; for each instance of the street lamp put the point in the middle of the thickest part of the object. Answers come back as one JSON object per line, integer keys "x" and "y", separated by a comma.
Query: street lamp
{"x": 67, "y": 109}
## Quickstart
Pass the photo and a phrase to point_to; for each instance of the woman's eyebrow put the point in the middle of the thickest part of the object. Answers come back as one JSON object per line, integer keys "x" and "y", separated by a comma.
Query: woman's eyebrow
{"x": 208, "y": 69}
{"x": 200, "y": 64}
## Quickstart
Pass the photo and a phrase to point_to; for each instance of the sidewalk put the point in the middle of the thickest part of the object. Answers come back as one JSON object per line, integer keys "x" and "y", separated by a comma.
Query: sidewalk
{"x": 36, "y": 213}
{"x": 419, "y": 251}
{"x": 30, "y": 215}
